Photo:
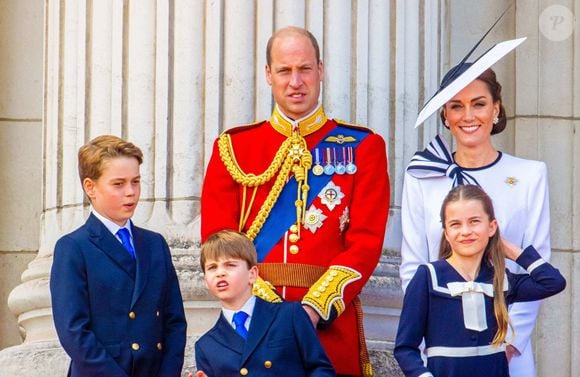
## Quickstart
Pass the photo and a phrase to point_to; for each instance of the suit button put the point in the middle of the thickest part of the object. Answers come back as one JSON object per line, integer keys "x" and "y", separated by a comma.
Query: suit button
{"x": 132, "y": 315}
{"x": 294, "y": 249}
{"x": 159, "y": 346}
{"x": 268, "y": 364}
{"x": 243, "y": 371}
{"x": 157, "y": 314}
{"x": 135, "y": 346}
{"x": 293, "y": 237}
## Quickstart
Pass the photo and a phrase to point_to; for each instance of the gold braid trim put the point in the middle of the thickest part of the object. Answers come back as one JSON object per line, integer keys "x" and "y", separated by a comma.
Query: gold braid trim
{"x": 293, "y": 155}
{"x": 328, "y": 291}
{"x": 251, "y": 180}
{"x": 266, "y": 291}
{"x": 365, "y": 362}
{"x": 273, "y": 195}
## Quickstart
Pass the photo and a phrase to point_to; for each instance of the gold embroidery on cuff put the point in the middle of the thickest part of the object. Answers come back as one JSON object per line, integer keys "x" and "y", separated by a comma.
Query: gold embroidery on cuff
{"x": 328, "y": 291}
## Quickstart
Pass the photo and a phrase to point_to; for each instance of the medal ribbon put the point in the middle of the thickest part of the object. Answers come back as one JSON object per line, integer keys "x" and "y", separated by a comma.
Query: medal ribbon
{"x": 283, "y": 213}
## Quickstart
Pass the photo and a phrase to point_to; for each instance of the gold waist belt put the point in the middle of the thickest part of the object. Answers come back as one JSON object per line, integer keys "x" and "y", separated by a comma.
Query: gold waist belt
{"x": 291, "y": 274}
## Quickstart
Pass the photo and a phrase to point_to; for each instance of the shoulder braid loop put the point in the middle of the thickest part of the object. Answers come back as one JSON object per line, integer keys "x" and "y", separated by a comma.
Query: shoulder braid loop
{"x": 292, "y": 156}
{"x": 249, "y": 180}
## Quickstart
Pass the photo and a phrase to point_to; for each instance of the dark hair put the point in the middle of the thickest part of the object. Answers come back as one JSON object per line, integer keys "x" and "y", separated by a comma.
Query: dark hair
{"x": 489, "y": 78}
{"x": 493, "y": 254}
{"x": 287, "y": 30}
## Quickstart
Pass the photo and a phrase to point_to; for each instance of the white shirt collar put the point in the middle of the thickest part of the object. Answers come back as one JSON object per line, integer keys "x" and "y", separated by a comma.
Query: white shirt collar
{"x": 248, "y": 307}
{"x": 111, "y": 226}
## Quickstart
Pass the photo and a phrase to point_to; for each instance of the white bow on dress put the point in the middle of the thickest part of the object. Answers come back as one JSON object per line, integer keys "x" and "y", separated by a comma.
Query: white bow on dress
{"x": 473, "y": 302}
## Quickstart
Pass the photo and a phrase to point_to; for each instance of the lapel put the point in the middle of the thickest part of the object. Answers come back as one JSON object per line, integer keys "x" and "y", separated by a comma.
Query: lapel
{"x": 225, "y": 334}
{"x": 105, "y": 241}
{"x": 262, "y": 318}
{"x": 143, "y": 257}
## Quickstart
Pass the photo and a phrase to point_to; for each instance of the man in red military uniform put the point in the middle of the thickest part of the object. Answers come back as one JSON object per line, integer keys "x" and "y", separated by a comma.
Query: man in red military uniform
{"x": 313, "y": 195}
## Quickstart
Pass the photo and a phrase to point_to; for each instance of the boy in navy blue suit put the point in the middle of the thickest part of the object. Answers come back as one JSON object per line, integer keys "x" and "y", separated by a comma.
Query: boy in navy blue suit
{"x": 116, "y": 301}
{"x": 252, "y": 336}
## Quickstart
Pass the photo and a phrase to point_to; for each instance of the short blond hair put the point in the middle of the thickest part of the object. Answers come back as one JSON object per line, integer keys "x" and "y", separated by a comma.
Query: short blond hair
{"x": 93, "y": 155}
{"x": 228, "y": 244}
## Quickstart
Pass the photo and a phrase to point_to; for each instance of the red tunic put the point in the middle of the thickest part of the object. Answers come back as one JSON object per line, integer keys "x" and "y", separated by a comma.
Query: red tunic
{"x": 351, "y": 234}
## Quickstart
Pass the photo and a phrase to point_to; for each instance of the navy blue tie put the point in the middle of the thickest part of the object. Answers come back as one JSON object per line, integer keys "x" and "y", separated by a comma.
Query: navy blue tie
{"x": 125, "y": 237}
{"x": 239, "y": 320}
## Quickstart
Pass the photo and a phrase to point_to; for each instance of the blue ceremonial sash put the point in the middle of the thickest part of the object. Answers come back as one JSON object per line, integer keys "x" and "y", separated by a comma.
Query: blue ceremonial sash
{"x": 283, "y": 213}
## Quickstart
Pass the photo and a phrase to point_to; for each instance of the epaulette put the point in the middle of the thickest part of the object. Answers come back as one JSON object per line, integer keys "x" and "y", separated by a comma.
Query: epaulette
{"x": 355, "y": 126}
{"x": 243, "y": 127}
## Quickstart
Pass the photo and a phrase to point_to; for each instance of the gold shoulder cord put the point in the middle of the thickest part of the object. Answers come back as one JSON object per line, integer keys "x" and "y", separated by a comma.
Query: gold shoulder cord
{"x": 293, "y": 155}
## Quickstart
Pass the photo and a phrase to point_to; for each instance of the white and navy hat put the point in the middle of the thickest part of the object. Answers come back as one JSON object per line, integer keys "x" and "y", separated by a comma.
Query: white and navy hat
{"x": 465, "y": 72}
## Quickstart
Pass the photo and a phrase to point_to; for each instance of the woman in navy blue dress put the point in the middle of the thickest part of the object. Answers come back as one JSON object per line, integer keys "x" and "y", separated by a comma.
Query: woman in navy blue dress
{"x": 458, "y": 304}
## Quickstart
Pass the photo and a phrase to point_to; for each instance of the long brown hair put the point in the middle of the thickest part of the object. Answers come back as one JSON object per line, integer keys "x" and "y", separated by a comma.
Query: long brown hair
{"x": 493, "y": 254}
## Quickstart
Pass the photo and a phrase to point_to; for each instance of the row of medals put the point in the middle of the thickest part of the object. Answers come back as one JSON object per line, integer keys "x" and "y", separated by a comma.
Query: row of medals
{"x": 333, "y": 165}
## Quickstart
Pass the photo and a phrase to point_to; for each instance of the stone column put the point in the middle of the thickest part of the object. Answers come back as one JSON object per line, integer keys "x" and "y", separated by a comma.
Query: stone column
{"x": 131, "y": 69}
{"x": 21, "y": 33}
{"x": 547, "y": 128}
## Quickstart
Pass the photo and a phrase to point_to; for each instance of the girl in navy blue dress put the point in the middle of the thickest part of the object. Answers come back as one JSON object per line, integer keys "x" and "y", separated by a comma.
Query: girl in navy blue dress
{"x": 458, "y": 304}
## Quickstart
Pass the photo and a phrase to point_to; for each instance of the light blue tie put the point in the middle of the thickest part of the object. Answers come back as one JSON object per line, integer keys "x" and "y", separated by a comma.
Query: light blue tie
{"x": 125, "y": 237}
{"x": 239, "y": 320}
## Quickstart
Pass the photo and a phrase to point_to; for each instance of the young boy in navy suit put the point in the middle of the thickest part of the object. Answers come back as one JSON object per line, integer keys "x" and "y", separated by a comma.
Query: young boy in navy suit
{"x": 252, "y": 337}
{"x": 116, "y": 301}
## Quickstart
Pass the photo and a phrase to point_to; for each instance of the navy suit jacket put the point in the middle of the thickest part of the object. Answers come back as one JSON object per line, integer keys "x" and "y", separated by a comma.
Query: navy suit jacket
{"x": 115, "y": 316}
{"x": 281, "y": 342}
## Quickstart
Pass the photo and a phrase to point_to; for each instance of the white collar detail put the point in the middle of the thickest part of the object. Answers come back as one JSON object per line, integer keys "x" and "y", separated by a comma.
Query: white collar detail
{"x": 473, "y": 302}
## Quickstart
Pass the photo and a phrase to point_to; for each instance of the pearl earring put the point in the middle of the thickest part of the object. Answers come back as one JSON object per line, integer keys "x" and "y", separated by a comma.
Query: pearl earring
{"x": 495, "y": 120}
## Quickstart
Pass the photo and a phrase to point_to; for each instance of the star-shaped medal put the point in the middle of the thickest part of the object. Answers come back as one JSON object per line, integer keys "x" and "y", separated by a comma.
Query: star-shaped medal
{"x": 331, "y": 195}
{"x": 313, "y": 219}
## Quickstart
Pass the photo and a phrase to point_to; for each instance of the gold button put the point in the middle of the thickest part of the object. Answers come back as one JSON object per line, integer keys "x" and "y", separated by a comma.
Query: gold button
{"x": 294, "y": 228}
{"x": 333, "y": 273}
{"x": 293, "y": 237}
{"x": 316, "y": 294}
{"x": 330, "y": 278}
{"x": 135, "y": 346}
{"x": 322, "y": 289}
{"x": 294, "y": 249}
{"x": 268, "y": 364}
{"x": 132, "y": 315}
{"x": 325, "y": 284}
{"x": 159, "y": 346}
{"x": 243, "y": 371}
